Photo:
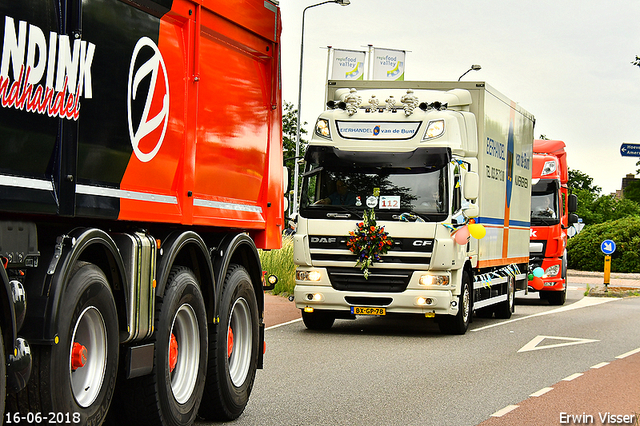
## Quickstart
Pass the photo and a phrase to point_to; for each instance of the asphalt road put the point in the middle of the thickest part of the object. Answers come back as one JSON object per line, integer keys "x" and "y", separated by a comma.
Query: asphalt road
{"x": 403, "y": 371}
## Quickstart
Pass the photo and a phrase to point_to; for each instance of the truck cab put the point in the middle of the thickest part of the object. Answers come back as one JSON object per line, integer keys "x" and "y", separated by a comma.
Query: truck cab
{"x": 413, "y": 155}
{"x": 552, "y": 212}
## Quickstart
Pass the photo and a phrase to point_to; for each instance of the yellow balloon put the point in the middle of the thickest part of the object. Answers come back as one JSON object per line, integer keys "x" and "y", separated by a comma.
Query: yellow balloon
{"x": 477, "y": 231}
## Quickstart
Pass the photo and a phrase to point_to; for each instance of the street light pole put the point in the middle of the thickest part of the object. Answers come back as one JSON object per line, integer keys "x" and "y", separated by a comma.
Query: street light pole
{"x": 473, "y": 68}
{"x": 295, "y": 162}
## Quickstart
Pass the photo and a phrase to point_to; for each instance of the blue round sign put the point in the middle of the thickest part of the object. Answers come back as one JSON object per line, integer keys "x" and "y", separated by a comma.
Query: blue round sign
{"x": 608, "y": 246}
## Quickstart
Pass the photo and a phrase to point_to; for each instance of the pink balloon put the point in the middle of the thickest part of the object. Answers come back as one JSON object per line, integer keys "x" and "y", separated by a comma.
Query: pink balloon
{"x": 462, "y": 235}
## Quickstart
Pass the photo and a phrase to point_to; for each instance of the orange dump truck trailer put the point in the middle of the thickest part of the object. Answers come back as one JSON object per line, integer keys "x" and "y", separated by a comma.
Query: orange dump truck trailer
{"x": 140, "y": 172}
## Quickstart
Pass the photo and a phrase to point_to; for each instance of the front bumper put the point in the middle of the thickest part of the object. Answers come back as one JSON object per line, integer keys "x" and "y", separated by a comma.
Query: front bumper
{"x": 411, "y": 301}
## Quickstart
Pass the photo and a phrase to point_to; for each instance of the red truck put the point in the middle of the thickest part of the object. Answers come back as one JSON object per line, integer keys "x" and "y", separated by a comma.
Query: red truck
{"x": 140, "y": 172}
{"x": 552, "y": 210}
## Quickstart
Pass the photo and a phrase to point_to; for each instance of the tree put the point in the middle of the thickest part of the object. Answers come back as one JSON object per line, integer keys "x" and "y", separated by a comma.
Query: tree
{"x": 632, "y": 191}
{"x": 580, "y": 180}
{"x": 594, "y": 208}
{"x": 289, "y": 126}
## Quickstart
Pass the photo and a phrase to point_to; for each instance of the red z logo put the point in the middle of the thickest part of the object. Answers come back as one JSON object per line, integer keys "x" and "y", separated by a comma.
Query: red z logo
{"x": 156, "y": 101}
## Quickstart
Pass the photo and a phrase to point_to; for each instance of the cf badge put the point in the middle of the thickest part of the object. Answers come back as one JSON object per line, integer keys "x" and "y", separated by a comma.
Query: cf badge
{"x": 147, "y": 99}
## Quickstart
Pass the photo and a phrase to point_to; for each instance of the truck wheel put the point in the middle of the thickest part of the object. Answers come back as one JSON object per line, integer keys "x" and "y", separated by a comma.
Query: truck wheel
{"x": 77, "y": 374}
{"x": 3, "y": 376}
{"x": 318, "y": 320}
{"x": 459, "y": 323}
{"x": 560, "y": 297}
{"x": 557, "y": 298}
{"x": 505, "y": 309}
{"x": 233, "y": 355}
{"x": 171, "y": 394}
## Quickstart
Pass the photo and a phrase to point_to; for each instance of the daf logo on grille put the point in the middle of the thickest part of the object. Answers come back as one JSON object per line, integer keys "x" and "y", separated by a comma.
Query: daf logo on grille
{"x": 421, "y": 243}
{"x": 323, "y": 240}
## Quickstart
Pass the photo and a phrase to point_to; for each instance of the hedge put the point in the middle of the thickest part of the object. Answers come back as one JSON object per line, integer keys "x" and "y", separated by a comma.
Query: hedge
{"x": 584, "y": 252}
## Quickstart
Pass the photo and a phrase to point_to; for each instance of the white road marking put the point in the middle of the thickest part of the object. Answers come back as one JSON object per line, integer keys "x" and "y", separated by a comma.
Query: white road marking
{"x": 504, "y": 411}
{"x": 571, "y": 377}
{"x": 533, "y": 344}
{"x": 602, "y": 364}
{"x": 585, "y": 302}
{"x": 624, "y": 355}
{"x": 284, "y": 323}
{"x": 541, "y": 392}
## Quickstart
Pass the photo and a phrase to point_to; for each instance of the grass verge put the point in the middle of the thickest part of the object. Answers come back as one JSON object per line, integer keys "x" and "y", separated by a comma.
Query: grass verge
{"x": 280, "y": 263}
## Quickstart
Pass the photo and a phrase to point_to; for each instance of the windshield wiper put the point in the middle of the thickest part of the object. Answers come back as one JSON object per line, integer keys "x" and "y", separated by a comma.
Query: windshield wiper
{"x": 347, "y": 215}
{"x": 408, "y": 217}
{"x": 546, "y": 222}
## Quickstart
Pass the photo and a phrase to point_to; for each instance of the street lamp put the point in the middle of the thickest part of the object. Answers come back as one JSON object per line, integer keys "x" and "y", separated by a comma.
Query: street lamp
{"x": 295, "y": 168}
{"x": 473, "y": 68}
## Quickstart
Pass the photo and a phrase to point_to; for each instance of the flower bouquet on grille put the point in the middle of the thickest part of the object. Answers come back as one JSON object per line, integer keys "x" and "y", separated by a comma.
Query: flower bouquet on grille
{"x": 368, "y": 242}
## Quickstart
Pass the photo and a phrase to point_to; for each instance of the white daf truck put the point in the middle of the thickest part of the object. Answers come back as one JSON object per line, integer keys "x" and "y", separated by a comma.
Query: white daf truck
{"x": 434, "y": 162}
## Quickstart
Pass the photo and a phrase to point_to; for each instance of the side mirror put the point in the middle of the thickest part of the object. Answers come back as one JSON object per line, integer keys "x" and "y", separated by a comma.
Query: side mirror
{"x": 471, "y": 186}
{"x": 573, "y": 203}
{"x": 471, "y": 210}
{"x": 573, "y": 218}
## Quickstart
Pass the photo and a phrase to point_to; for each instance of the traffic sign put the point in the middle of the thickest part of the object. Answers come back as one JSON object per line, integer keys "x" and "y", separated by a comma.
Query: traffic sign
{"x": 630, "y": 150}
{"x": 608, "y": 247}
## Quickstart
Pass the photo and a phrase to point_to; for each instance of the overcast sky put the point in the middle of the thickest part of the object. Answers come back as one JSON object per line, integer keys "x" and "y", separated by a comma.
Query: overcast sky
{"x": 567, "y": 62}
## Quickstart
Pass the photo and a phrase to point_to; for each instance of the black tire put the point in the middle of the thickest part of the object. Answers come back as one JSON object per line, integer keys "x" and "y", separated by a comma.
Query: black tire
{"x": 505, "y": 309}
{"x": 3, "y": 376}
{"x": 87, "y": 316}
{"x": 232, "y": 367}
{"x": 458, "y": 324}
{"x": 557, "y": 298}
{"x": 171, "y": 394}
{"x": 318, "y": 320}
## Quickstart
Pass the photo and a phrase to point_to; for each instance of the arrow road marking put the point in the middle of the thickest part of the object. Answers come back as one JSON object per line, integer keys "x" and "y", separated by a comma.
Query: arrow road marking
{"x": 533, "y": 344}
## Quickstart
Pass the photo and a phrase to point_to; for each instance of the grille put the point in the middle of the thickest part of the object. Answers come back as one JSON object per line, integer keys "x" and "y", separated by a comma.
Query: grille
{"x": 380, "y": 280}
{"x": 368, "y": 301}
{"x": 388, "y": 258}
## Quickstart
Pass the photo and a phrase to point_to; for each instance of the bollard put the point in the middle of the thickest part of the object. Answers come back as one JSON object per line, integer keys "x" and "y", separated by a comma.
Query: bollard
{"x": 607, "y": 272}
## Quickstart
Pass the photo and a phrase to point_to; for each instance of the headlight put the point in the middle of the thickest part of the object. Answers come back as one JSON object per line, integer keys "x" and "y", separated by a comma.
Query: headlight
{"x": 434, "y": 129}
{"x": 322, "y": 128}
{"x": 549, "y": 167}
{"x": 434, "y": 280}
{"x": 552, "y": 271}
{"x": 308, "y": 275}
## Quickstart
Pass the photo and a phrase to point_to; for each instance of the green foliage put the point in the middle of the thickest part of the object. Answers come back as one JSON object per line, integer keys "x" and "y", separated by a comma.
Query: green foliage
{"x": 280, "y": 263}
{"x": 289, "y": 127}
{"x": 580, "y": 180}
{"x": 584, "y": 252}
{"x": 632, "y": 191}
{"x": 595, "y": 209}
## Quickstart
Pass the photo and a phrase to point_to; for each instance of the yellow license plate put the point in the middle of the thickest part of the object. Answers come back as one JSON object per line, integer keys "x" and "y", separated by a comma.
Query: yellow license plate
{"x": 361, "y": 310}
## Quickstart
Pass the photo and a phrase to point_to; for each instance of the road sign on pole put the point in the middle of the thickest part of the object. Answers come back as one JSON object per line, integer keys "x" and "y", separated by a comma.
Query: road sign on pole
{"x": 630, "y": 150}
{"x": 608, "y": 246}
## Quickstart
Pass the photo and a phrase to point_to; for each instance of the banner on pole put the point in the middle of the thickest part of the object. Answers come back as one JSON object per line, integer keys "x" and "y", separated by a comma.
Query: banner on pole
{"x": 348, "y": 65}
{"x": 388, "y": 64}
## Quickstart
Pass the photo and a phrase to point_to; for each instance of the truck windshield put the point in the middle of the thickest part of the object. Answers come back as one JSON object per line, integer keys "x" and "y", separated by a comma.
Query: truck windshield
{"x": 331, "y": 185}
{"x": 544, "y": 203}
